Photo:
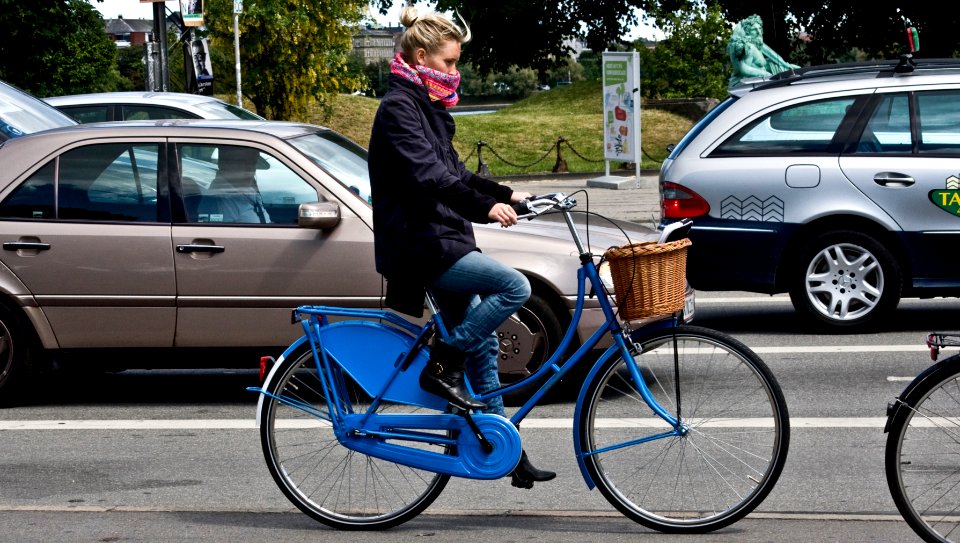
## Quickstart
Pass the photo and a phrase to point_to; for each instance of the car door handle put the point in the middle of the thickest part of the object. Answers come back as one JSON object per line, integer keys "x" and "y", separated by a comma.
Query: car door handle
{"x": 200, "y": 248}
{"x": 893, "y": 179}
{"x": 25, "y": 246}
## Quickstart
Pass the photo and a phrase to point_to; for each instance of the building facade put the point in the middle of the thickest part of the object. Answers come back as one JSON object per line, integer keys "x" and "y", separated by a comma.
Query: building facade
{"x": 376, "y": 44}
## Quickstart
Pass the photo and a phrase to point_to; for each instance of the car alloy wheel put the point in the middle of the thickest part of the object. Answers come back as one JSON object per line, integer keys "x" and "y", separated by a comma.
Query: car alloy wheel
{"x": 849, "y": 280}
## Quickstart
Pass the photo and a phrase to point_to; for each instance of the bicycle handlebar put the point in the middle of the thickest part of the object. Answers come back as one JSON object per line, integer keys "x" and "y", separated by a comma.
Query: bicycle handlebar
{"x": 538, "y": 205}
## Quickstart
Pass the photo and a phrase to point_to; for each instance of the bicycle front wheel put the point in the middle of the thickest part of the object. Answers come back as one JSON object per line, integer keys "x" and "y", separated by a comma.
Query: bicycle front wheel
{"x": 922, "y": 456}
{"x": 335, "y": 485}
{"x": 728, "y": 453}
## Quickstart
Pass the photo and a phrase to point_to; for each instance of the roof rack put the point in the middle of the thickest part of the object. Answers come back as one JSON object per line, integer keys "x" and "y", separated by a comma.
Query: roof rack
{"x": 906, "y": 64}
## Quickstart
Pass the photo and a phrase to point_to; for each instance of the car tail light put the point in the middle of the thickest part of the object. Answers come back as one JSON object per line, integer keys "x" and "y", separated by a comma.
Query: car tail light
{"x": 679, "y": 202}
{"x": 266, "y": 362}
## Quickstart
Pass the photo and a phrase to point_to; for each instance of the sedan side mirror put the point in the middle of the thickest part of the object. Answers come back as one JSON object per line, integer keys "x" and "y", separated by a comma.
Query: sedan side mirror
{"x": 319, "y": 215}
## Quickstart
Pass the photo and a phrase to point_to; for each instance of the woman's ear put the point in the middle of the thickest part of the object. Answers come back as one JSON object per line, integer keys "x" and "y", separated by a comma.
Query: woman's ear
{"x": 420, "y": 56}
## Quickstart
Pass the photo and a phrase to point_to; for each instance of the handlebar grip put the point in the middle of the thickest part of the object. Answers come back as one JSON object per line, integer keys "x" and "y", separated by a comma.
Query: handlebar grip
{"x": 521, "y": 207}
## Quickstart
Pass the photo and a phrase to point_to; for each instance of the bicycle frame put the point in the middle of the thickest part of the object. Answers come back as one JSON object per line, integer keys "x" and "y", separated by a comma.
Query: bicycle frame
{"x": 404, "y": 341}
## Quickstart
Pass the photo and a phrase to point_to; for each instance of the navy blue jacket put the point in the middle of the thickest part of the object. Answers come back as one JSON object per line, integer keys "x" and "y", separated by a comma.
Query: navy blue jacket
{"x": 424, "y": 198}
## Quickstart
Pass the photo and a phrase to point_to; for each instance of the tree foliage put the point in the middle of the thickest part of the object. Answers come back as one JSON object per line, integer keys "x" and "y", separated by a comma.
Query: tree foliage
{"x": 691, "y": 61}
{"x": 531, "y": 34}
{"x": 53, "y": 48}
{"x": 875, "y": 29}
{"x": 291, "y": 51}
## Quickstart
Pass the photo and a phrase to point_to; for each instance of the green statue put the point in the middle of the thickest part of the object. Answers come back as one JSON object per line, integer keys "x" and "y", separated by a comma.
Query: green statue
{"x": 751, "y": 57}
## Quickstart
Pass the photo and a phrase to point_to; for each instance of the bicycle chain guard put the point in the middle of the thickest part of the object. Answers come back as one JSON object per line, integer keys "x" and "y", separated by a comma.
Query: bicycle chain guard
{"x": 400, "y": 438}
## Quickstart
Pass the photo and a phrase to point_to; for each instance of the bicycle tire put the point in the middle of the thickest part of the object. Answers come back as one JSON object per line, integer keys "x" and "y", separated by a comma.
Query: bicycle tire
{"x": 337, "y": 486}
{"x": 710, "y": 476}
{"x": 922, "y": 455}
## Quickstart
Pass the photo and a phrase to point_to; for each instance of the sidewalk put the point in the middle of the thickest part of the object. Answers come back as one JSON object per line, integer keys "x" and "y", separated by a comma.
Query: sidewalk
{"x": 640, "y": 205}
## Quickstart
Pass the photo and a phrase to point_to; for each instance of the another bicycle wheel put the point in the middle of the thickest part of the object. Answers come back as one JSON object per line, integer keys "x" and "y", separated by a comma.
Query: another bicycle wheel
{"x": 724, "y": 463}
{"x": 922, "y": 456}
{"x": 335, "y": 485}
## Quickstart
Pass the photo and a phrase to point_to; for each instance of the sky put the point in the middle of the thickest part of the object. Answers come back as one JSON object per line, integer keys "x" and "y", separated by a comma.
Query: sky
{"x": 135, "y": 9}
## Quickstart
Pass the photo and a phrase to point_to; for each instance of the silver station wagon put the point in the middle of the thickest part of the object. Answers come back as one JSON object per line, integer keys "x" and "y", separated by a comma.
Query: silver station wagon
{"x": 838, "y": 184}
{"x": 134, "y": 245}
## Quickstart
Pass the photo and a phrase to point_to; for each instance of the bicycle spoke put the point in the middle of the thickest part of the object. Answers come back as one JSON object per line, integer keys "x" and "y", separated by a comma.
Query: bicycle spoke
{"x": 727, "y": 454}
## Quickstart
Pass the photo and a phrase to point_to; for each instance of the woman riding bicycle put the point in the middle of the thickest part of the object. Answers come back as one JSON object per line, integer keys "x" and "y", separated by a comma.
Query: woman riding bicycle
{"x": 424, "y": 201}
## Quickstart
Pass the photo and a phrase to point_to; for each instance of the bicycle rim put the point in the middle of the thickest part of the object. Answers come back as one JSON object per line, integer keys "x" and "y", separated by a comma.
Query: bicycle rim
{"x": 923, "y": 457}
{"x": 335, "y": 485}
{"x": 717, "y": 471}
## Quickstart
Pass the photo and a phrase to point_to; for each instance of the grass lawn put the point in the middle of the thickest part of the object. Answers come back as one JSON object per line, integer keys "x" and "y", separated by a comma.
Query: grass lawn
{"x": 526, "y": 132}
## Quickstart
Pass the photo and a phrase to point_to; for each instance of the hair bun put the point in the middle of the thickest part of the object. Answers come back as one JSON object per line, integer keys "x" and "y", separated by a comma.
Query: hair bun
{"x": 408, "y": 16}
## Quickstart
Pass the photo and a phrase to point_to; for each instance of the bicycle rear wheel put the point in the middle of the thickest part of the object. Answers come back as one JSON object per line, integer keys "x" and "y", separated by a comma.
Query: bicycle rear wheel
{"x": 335, "y": 485}
{"x": 717, "y": 470}
{"x": 922, "y": 456}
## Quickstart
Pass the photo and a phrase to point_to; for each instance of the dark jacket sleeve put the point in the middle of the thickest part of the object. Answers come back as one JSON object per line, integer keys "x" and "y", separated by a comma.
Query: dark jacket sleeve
{"x": 402, "y": 123}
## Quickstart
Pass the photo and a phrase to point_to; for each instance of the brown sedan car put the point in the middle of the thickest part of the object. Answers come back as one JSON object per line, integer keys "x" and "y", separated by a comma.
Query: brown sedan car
{"x": 187, "y": 243}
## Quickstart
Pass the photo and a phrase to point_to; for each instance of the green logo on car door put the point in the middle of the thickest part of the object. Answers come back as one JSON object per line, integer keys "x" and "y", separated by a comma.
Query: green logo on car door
{"x": 948, "y": 199}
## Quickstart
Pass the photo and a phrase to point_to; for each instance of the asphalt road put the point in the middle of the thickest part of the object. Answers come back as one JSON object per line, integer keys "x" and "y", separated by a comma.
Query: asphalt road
{"x": 174, "y": 455}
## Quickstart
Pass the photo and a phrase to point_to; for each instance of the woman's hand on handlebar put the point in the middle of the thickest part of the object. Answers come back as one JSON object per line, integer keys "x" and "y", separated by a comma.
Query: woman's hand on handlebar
{"x": 503, "y": 214}
{"x": 519, "y": 197}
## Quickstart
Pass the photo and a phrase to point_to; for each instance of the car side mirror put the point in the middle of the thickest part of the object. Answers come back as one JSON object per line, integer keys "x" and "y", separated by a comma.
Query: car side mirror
{"x": 319, "y": 215}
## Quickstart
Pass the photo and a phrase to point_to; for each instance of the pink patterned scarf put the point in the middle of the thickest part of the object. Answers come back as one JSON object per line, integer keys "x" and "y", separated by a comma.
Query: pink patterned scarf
{"x": 440, "y": 86}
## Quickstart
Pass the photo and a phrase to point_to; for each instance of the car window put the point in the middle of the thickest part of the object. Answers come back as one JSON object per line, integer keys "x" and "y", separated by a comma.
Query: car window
{"x": 939, "y": 120}
{"x": 343, "y": 159}
{"x": 234, "y": 184}
{"x": 86, "y": 114}
{"x": 138, "y": 112}
{"x": 888, "y": 130}
{"x": 804, "y": 128}
{"x": 108, "y": 182}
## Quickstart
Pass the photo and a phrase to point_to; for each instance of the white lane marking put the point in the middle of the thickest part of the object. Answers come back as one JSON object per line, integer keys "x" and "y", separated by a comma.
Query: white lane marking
{"x": 541, "y": 423}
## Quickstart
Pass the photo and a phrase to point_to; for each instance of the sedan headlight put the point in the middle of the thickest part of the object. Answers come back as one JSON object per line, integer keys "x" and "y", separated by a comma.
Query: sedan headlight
{"x": 606, "y": 277}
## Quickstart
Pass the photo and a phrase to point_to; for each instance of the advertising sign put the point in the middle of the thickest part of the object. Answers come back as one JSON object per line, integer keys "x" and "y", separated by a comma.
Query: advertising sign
{"x": 192, "y": 12}
{"x": 621, "y": 107}
{"x": 202, "y": 68}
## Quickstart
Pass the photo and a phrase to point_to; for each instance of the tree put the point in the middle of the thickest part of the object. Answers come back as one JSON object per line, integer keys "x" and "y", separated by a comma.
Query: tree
{"x": 54, "y": 48}
{"x": 876, "y": 29}
{"x": 291, "y": 51}
{"x": 692, "y": 60}
{"x": 531, "y": 34}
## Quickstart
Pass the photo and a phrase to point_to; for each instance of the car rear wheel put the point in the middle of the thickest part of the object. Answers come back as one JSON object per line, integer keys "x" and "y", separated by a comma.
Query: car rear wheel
{"x": 845, "y": 279}
{"x": 14, "y": 355}
{"x": 527, "y": 339}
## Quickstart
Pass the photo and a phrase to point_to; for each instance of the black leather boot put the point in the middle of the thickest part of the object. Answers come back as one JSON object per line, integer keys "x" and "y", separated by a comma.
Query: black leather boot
{"x": 525, "y": 474}
{"x": 443, "y": 376}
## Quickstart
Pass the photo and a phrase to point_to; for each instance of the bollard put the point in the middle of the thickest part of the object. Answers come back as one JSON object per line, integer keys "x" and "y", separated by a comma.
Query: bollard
{"x": 561, "y": 165}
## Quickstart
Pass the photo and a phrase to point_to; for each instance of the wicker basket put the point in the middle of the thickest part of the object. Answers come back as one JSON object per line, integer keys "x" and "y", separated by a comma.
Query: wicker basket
{"x": 649, "y": 279}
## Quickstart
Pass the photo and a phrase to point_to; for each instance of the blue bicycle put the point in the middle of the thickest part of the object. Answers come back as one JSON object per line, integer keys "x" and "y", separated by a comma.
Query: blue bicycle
{"x": 682, "y": 428}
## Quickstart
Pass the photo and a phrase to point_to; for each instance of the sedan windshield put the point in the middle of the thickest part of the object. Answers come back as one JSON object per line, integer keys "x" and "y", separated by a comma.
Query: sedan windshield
{"x": 223, "y": 110}
{"x": 21, "y": 114}
{"x": 343, "y": 159}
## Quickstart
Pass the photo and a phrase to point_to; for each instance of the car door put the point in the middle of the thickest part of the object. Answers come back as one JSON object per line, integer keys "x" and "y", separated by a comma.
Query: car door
{"x": 89, "y": 235}
{"x": 239, "y": 278}
{"x": 907, "y": 160}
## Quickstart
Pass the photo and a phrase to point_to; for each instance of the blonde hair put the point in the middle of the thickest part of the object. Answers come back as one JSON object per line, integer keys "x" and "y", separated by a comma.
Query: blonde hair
{"x": 428, "y": 31}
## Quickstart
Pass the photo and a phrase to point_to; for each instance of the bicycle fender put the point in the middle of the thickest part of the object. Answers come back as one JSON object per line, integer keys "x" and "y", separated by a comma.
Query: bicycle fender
{"x": 273, "y": 371}
{"x": 894, "y": 408}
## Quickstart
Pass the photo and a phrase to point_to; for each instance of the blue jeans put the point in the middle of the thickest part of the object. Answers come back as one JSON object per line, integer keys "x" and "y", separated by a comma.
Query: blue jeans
{"x": 476, "y": 295}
